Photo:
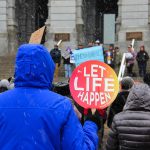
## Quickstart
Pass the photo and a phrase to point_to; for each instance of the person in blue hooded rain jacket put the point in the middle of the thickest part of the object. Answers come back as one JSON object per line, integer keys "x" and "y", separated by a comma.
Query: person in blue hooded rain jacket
{"x": 34, "y": 118}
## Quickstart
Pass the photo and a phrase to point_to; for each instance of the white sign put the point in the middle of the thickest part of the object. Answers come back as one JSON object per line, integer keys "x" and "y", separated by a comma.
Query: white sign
{"x": 122, "y": 67}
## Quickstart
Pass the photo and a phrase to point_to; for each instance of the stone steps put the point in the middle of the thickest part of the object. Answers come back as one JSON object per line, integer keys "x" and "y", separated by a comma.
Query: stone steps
{"x": 136, "y": 70}
{"x": 7, "y": 66}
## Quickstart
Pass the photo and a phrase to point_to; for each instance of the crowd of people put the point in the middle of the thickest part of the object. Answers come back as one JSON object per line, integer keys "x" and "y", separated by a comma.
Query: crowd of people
{"x": 112, "y": 57}
{"x": 33, "y": 117}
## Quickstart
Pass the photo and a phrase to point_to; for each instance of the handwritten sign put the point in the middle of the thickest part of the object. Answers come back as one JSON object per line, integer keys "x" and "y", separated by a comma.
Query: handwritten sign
{"x": 37, "y": 36}
{"x": 92, "y": 53}
{"x": 65, "y": 54}
{"x": 94, "y": 84}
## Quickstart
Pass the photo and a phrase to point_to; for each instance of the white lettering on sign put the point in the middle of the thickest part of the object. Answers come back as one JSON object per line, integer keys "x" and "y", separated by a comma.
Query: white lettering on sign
{"x": 96, "y": 88}
{"x": 96, "y": 97}
{"x": 85, "y": 99}
{"x": 85, "y": 74}
{"x": 94, "y": 69}
{"x": 81, "y": 95}
{"x": 76, "y": 86}
{"x": 109, "y": 85}
{"x": 87, "y": 84}
{"x": 102, "y": 71}
{"x": 96, "y": 83}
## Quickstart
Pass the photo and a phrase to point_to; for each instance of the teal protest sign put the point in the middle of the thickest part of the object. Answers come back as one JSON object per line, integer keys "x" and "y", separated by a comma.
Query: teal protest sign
{"x": 92, "y": 53}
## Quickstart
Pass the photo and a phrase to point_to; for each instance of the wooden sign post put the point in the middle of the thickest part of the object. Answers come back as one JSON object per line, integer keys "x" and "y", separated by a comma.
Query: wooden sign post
{"x": 122, "y": 67}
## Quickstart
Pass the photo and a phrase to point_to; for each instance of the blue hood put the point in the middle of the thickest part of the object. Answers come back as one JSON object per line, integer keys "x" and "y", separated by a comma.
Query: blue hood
{"x": 34, "y": 67}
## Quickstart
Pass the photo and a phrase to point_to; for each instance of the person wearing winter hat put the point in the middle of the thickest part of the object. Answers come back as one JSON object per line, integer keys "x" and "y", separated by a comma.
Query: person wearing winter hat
{"x": 35, "y": 118}
{"x": 130, "y": 129}
{"x": 97, "y": 42}
{"x": 4, "y": 85}
{"x": 117, "y": 106}
{"x": 142, "y": 59}
{"x": 126, "y": 83}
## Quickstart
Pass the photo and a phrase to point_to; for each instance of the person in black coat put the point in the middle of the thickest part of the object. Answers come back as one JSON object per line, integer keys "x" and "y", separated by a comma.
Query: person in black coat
{"x": 142, "y": 58}
{"x": 118, "y": 104}
{"x": 56, "y": 55}
{"x": 131, "y": 128}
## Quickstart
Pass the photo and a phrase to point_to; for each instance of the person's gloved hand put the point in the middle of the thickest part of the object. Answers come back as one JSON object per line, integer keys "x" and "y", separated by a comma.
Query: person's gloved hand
{"x": 96, "y": 118}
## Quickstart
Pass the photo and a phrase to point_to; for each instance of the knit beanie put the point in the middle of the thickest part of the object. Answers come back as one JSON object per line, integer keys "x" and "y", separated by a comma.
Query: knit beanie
{"x": 127, "y": 83}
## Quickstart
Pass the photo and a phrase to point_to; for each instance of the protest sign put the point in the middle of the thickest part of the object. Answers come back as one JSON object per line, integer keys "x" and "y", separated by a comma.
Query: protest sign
{"x": 92, "y": 53}
{"x": 37, "y": 36}
{"x": 66, "y": 53}
{"x": 128, "y": 55}
{"x": 72, "y": 60}
{"x": 94, "y": 84}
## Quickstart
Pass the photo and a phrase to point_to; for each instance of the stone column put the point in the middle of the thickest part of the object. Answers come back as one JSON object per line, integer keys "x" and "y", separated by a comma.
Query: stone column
{"x": 79, "y": 22}
{"x": 89, "y": 19}
{"x": 11, "y": 26}
{"x": 134, "y": 18}
{"x": 61, "y": 20}
{"x": 3, "y": 27}
{"x": 49, "y": 35}
{"x": 118, "y": 20}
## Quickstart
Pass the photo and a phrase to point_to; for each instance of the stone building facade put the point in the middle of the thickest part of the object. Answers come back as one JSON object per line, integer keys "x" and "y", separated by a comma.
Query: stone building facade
{"x": 76, "y": 21}
{"x": 133, "y": 21}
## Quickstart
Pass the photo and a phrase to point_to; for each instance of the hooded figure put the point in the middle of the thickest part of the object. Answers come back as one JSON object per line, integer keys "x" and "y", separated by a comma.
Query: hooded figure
{"x": 34, "y": 118}
{"x": 118, "y": 104}
{"x": 131, "y": 128}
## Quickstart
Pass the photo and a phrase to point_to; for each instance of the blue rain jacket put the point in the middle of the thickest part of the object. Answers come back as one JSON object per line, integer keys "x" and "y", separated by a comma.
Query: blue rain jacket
{"x": 34, "y": 118}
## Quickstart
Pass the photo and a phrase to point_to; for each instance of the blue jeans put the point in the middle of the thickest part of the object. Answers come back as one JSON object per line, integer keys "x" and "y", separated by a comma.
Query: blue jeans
{"x": 142, "y": 68}
{"x": 68, "y": 70}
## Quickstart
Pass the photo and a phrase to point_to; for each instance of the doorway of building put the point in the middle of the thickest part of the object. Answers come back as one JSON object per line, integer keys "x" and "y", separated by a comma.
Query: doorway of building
{"x": 104, "y": 7}
{"x": 30, "y": 16}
